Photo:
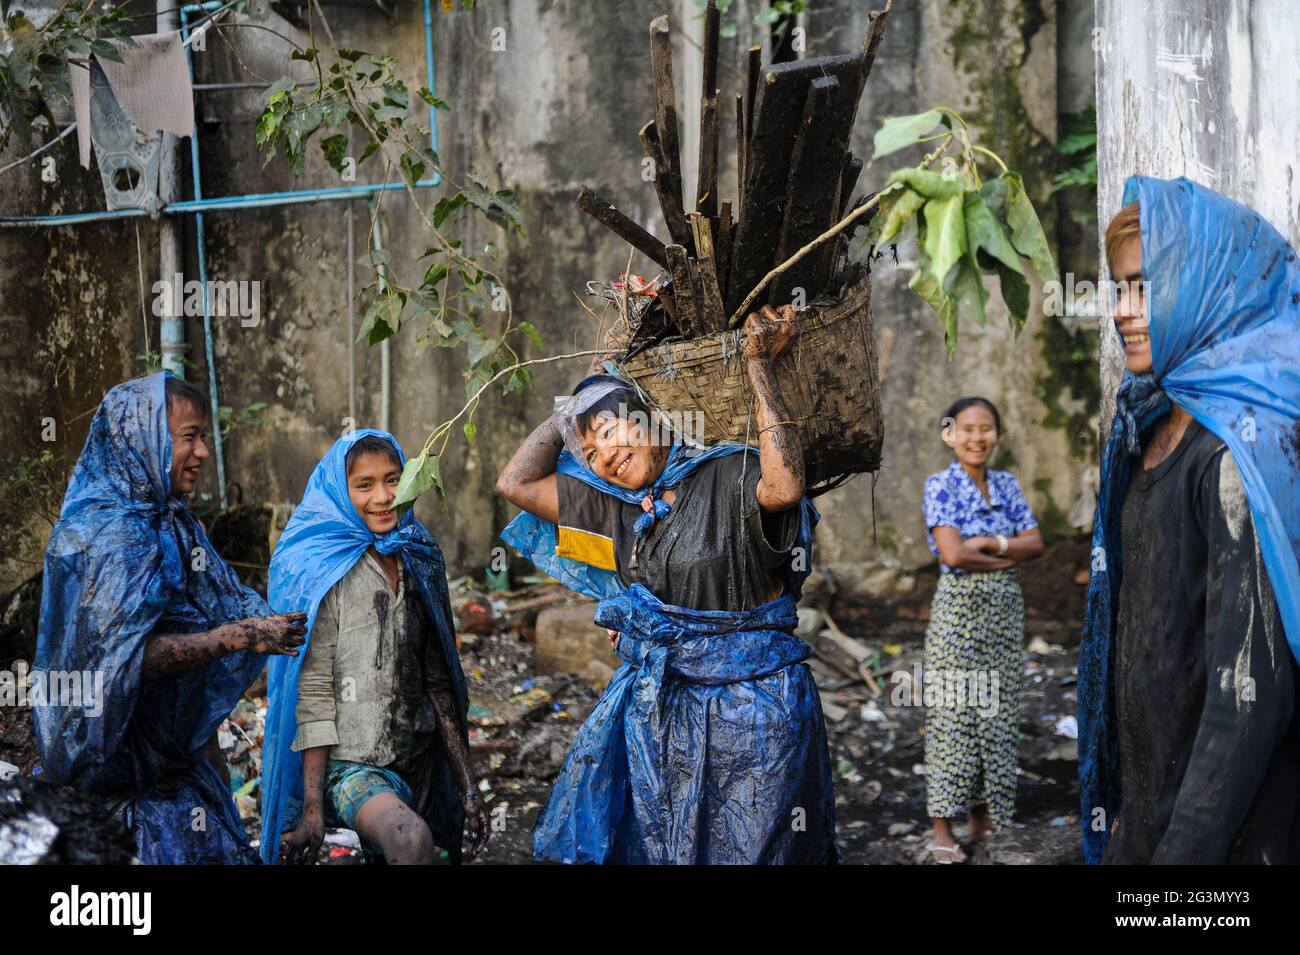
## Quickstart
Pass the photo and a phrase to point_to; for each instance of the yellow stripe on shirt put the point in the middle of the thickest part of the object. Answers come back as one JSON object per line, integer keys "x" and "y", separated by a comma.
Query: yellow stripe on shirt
{"x": 596, "y": 550}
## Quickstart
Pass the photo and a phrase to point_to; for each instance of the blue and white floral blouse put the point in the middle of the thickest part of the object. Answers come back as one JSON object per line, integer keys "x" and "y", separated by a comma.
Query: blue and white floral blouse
{"x": 953, "y": 500}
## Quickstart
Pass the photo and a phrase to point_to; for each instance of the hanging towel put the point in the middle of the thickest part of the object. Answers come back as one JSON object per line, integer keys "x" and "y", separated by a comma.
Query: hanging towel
{"x": 152, "y": 83}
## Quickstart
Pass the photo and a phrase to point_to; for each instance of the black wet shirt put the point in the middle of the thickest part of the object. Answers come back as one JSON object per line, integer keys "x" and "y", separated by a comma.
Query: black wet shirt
{"x": 1205, "y": 683}
{"x": 716, "y": 549}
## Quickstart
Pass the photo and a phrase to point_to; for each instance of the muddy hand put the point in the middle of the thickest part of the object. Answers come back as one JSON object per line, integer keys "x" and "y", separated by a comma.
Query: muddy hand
{"x": 477, "y": 821}
{"x": 768, "y": 331}
{"x": 302, "y": 846}
{"x": 280, "y": 634}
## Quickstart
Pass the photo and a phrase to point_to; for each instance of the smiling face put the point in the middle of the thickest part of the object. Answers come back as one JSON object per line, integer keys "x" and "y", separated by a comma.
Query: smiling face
{"x": 972, "y": 436}
{"x": 620, "y": 450}
{"x": 1130, "y": 306}
{"x": 372, "y": 487}
{"x": 189, "y": 430}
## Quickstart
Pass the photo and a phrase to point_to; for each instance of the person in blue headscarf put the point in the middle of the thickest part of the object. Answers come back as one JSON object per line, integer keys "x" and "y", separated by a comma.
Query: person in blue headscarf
{"x": 708, "y": 745}
{"x": 368, "y": 728}
{"x": 136, "y": 600}
{"x": 1189, "y": 735}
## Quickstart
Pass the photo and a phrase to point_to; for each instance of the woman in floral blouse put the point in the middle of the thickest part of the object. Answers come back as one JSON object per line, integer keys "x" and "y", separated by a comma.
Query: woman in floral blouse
{"x": 980, "y": 527}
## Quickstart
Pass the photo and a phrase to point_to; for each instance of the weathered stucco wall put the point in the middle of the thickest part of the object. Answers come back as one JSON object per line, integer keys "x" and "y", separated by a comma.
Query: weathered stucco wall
{"x": 1204, "y": 89}
{"x": 558, "y": 108}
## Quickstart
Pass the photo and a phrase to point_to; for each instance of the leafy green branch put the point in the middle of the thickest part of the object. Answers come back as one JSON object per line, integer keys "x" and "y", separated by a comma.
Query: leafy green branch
{"x": 966, "y": 228}
{"x": 1080, "y": 142}
{"x": 34, "y": 60}
{"x": 363, "y": 93}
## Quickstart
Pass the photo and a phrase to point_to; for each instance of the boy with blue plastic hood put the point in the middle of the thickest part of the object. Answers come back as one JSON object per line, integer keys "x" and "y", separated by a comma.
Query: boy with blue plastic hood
{"x": 1189, "y": 734}
{"x": 367, "y": 730}
{"x": 135, "y": 595}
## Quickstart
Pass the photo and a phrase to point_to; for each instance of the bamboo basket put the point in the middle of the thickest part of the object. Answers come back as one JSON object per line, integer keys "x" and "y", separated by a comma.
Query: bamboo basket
{"x": 828, "y": 378}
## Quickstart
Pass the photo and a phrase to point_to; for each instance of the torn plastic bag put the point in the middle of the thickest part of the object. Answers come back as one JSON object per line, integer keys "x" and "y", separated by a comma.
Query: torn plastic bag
{"x": 323, "y": 540}
{"x": 122, "y": 564}
{"x": 1223, "y": 305}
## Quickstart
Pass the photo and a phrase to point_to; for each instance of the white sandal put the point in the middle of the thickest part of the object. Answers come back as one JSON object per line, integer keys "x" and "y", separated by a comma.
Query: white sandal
{"x": 951, "y": 850}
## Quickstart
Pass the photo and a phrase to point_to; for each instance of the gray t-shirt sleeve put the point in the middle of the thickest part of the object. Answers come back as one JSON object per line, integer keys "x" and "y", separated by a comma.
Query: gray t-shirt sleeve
{"x": 316, "y": 710}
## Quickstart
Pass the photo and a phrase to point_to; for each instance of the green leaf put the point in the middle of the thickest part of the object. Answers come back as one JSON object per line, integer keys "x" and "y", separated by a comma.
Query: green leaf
{"x": 335, "y": 149}
{"x": 983, "y": 231}
{"x": 532, "y": 333}
{"x": 500, "y": 207}
{"x": 418, "y": 477}
{"x": 965, "y": 284}
{"x": 105, "y": 50}
{"x": 1026, "y": 231}
{"x": 470, "y": 430}
{"x": 945, "y": 234}
{"x": 480, "y": 349}
{"x": 1015, "y": 292}
{"x": 432, "y": 100}
{"x": 446, "y": 206}
{"x": 931, "y": 185}
{"x": 931, "y": 290}
{"x": 899, "y": 208}
{"x": 381, "y": 319}
{"x": 899, "y": 132}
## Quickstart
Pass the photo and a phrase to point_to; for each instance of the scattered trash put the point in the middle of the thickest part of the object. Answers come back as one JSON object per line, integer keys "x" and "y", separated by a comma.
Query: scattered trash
{"x": 7, "y": 771}
{"x": 1068, "y": 727}
{"x": 1039, "y": 645}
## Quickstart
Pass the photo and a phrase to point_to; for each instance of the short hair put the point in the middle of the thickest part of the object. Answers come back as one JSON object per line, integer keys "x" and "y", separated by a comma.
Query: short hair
{"x": 178, "y": 389}
{"x": 961, "y": 404}
{"x": 621, "y": 401}
{"x": 370, "y": 444}
{"x": 1126, "y": 225}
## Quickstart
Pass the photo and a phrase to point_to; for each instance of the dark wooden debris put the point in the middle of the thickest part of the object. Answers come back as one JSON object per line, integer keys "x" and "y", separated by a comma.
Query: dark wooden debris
{"x": 607, "y": 215}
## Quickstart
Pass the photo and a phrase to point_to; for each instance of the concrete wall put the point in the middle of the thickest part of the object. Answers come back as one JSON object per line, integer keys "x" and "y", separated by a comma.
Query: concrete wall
{"x": 1203, "y": 89}
{"x": 557, "y": 109}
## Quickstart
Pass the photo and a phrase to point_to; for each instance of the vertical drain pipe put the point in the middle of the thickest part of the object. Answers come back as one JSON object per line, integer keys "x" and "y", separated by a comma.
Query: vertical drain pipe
{"x": 385, "y": 356}
{"x": 201, "y": 248}
{"x": 171, "y": 332}
{"x": 352, "y": 332}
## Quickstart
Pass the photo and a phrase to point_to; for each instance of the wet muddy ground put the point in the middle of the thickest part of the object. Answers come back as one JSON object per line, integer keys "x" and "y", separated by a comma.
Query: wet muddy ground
{"x": 527, "y": 721}
{"x": 523, "y": 723}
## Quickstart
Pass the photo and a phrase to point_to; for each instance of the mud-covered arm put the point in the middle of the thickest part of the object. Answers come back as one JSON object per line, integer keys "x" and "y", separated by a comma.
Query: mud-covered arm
{"x": 781, "y": 485}
{"x": 1250, "y": 689}
{"x": 438, "y": 685}
{"x": 528, "y": 481}
{"x": 171, "y": 654}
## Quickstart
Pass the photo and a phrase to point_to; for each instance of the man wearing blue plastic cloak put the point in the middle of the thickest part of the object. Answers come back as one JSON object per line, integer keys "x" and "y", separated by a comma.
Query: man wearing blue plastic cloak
{"x": 137, "y": 601}
{"x": 708, "y": 745}
{"x": 324, "y": 539}
{"x": 1188, "y": 730}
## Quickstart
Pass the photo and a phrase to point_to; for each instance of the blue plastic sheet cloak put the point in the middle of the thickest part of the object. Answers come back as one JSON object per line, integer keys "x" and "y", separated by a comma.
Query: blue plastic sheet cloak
{"x": 322, "y": 542}
{"x": 118, "y": 569}
{"x": 686, "y": 758}
{"x": 1223, "y": 305}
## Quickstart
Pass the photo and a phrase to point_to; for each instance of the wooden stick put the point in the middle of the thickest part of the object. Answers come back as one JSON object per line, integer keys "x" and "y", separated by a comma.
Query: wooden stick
{"x": 607, "y": 215}
{"x": 713, "y": 314}
{"x": 753, "y": 67}
{"x": 738, "y": 316}
{"x": 678, "y": 228}
{"x": 706, "y": 180}
{"x": 811, "y": 196}
{"x": 661, "y": 60}
{"x": 679, "y": 266}
{"x": 722, "y": 247}
{"x": 848, "y": 182}
{"x": 741, "y": 150}
{"x": 875, "y": 33}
